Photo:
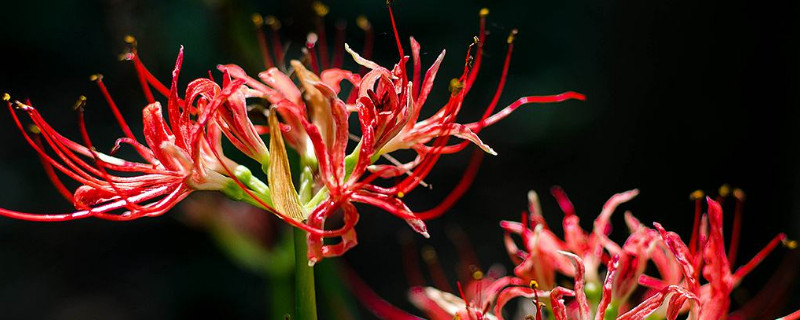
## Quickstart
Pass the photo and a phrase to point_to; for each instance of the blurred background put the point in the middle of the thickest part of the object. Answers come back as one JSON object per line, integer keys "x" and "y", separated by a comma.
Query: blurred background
{"x": 682, "y": 95}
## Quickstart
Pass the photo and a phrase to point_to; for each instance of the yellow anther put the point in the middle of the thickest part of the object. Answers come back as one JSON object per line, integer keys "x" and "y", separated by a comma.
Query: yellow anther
{"x": 32, "y": 128}
{"x": 475, "y": 40}
{"x": 512, "y": 36}
{"x": 80, "y": 104}
{"x": 129, "y": 39}
{"x": 739, "y": 194}
{"x": 272, "y": 22}
{"x": 724, "y": 190}
{"x": 401, "y": 194}
{"x": 455, "y": 86}
{"x": 457, "y": 317}
{"x": 484, "y": 12}
{"x": 789, "y": 244}
{"x": 320, "y": 8}
{"x": 6, "y": 97}
{"x": 428, "y": 254}
{"x": 363, "y": 23}
{"x": 534, "y": 284}
{"x": 95, "y": 77}
{"x": 257, "y": 19}
{"x": 477, "y": 275}
{"x": 697, "y": 194}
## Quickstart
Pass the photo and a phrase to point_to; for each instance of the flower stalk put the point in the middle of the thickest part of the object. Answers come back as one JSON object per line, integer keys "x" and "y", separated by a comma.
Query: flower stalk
{"x": 305, "y": 301}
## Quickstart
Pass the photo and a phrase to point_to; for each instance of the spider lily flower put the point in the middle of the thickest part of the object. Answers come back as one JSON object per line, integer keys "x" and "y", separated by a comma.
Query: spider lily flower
{"x": 681, "y": 290}
{"x": 708, "y": 257}
{"x": 178, "y": 155}
{"x": 314, "y": 115}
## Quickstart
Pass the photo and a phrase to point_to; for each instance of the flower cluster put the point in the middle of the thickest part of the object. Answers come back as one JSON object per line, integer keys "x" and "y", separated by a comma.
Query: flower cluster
{"x": 695, "y": 279}
{"x": 306, "y": 110}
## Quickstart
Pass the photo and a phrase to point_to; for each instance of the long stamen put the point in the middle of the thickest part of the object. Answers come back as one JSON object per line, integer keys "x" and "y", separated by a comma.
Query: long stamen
{"x": 369, "y": 40}
{"x": 761, "y": 255}
{"x": 338, "y": 49}
{"x": 322, "y": 10}
{"x": 80, "y": 107}
{"x": 463, "y": 185}
{"x": 48, "y": 168}
{"x": 698, "y": 197}
{"x": 479, "y": 56}
{"x": 498, "y": 92}
{"x": 146, "y": 79}
{"x": 76, "y": 166}
{"x": 536, "y": 302}
{"x": 737, "y": 226}
{"x": 431, "y": 259}
{"x": 411, "y": 262}
{"x": 399, "y": 47}
{"x": 277, "y": 46}
{"x": 258, "y": 22}
{"x": 98, "y": 78}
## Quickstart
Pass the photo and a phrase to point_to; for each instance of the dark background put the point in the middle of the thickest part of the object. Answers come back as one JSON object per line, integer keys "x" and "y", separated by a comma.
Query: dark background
{"x": 682, "y": 95}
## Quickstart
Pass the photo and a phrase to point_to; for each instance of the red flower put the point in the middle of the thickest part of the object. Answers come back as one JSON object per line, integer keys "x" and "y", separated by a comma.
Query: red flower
{"x": 678, "y": 291}
{"x": 178, "y": 154}
{"x": 388, "y": 103}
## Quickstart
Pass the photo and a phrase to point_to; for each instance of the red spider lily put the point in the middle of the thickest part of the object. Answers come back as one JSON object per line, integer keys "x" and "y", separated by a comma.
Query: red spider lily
{"x": 387, "y": 103}
{"x": 178, "y": 155}
{"x": 678, "y": 291}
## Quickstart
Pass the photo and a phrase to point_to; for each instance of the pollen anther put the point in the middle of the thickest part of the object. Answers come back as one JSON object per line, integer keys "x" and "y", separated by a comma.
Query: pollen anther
{"x": 257, "y": 20}
{"x": 724, "y": 190}
{"x": 363, "y": 23}
{"x": 789, "y": 244}
{"x": 512, "y": 36}
{"x": 6, "y": 97}
{"x": 80, "y": 104}
{"x": 320, "y": 8}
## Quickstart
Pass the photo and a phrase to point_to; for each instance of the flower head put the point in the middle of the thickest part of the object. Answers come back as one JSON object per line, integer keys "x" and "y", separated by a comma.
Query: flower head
{"x": 387, "y": 101}
{"x": 177, "y": 155}
{"x": 543, "y": 255}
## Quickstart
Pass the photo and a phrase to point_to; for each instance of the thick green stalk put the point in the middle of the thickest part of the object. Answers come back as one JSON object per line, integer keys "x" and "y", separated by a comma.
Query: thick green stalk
{"x": 305, "y": 301}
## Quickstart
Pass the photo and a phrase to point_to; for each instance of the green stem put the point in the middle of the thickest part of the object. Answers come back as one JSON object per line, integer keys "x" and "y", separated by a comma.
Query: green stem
{"x": 305, "y": 302}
